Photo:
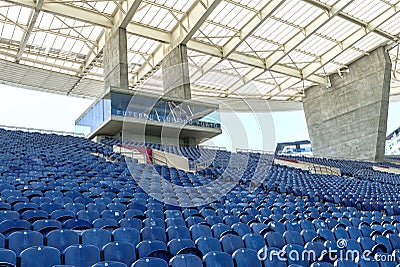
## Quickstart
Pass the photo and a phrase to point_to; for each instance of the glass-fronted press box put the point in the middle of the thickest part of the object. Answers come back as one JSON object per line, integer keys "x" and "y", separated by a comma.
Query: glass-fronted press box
{"x": 148, "y": 108}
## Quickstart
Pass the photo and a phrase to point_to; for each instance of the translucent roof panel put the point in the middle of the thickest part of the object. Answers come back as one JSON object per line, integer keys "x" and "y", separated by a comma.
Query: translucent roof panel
{"x": 276, "y": 30}
{"x": 231, "y": 15}
{"x": 232, "y": 44}
{"x": 366, "y": 10}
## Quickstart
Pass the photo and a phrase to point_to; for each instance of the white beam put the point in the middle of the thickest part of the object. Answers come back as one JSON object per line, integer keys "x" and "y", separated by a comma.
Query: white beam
{"x": 310, "y": 70}
{"x": 150, "y": 64}
{"x": 250, "y": 61}
{"x": 192, "y": 21}
{"x": 250, "y": 76}
{"x": 349, "y": 18}
{"x": 309, "y": 30}
{"x": 121, "y": 19}
{"x": 31, "y": 25}
{"x": 251, "y": 26}
{"x": 181, "y": 34}
{"x": 70, "y": 11}
{"x": 350, "y": 41}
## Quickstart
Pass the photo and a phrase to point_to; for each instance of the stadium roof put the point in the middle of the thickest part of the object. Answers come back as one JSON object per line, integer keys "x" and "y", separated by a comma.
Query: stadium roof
{"x": 282, "y": 46}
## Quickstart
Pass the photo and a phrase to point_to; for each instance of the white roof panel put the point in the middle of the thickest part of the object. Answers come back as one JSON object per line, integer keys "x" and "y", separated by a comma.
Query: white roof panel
{"x": 229, "y": 42}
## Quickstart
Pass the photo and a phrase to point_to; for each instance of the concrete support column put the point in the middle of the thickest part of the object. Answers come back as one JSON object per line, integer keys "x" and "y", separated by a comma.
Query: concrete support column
{"x": 176, "y": 80}
{"x": 115, "y": 60}
{"x": 349, "y": 119}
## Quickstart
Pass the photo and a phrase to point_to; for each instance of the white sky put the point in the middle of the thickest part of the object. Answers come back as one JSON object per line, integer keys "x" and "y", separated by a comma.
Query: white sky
{"x": 32, "y": 109}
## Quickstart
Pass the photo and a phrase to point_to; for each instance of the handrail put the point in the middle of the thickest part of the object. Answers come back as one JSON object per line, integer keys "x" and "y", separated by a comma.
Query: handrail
{"x": 329, "y": 158}
{"x": 248, "y": 150}
{"x": 26, "y": 129}
{"x": 212, "y": 147}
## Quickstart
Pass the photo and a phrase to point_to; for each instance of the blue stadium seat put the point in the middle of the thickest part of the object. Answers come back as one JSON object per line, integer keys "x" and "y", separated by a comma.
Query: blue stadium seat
{"x": 246, "y": 257}
{"x": 321, "y": 264}
{"x": 275, "y": 240}
{"x": 9, "y": 226}
{"x": 294, "y": 255}
{"x": 46, "y": 226}
{"x": 254, "y": 241}
{"x": 96, "y": 237}
{"x": 110, "y": 264}
{"x": 18, "y": 241}
{"x": 150, "y": 262}
{"x": 153, "y": 233}
{"x": 231, "y": 242}
{"x": 61, "y": 239}
{"x": 8, "y": 256}
{"x": 293, "y": 237}
{"x": 88, "y": 215}
{"x": 178, "y": 232}
{"x": 62, "y": 215}
{"x": 76, "y": 224}
{"x": 354, "y": 232}
{"x": 81, "y": 255}
{"x": 128, "y": 235}
{"x": 177, "y": 244}
{"x": 145, "y": 247}
{"x": 120, "y": 251}
{"x": 327, "y": 234}
{"x": 33, "y": 215}
{"x": 270, "y": 258}
{"x": 366, "y": 243}
{"x": 241, "y": 228}
{"x": 367, "y": 262}
{"x": 40, "y": 256}
{"x": 200, "y": 230}
{"x": 217, "y": 259}
{"x": 316, "y": 248}
{"x": 185, "y": 261}
{"x": 131, "y": 223}
{"x": 105, "y": 223}
{"x": 395, "y": 241}
{"x": 175, "y": 222}
{"x": 218, "y": 229}
{"x": 345, "y": 263}
{"x": 308, "y": 235}
{"x": 208, "y": 244}
{"x": 2, "y": 241}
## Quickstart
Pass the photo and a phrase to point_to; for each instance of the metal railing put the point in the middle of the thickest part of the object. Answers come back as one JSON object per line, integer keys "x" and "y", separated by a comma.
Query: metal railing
{"x": 319, "y": 169}
{"x": 44, "y": 131}
{"x": 212, "y": 147}
{"x": 255, "y": 151}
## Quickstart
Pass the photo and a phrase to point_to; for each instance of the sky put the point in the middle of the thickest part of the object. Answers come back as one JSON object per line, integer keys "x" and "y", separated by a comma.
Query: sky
{"x": 41, "y": 110}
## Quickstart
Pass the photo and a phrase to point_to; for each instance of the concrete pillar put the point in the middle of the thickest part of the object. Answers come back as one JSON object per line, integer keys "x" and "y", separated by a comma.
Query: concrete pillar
{"x": 115, "y": 60}
{"x": 349, "y": 119}
{"x": 176, "y": 80}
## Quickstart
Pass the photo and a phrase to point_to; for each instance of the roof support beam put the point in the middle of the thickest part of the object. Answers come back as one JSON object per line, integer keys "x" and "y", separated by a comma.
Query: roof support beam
{"x": 96, "y": 18}
{"x": 349, "y": 18}
{"x": 251, "y": 26}
{"x": 121, "y": 19}
{"x": 250, "y": 61}
{"x": 310, "y": 70}
{"x": 309, "y": 30}
{"x": 181, "y": 34}
{"x": 31, "y": 25}
{"x": 192, "y": 21}
{"x": 69, "y": 11}
{"x": 350, "y": 41}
